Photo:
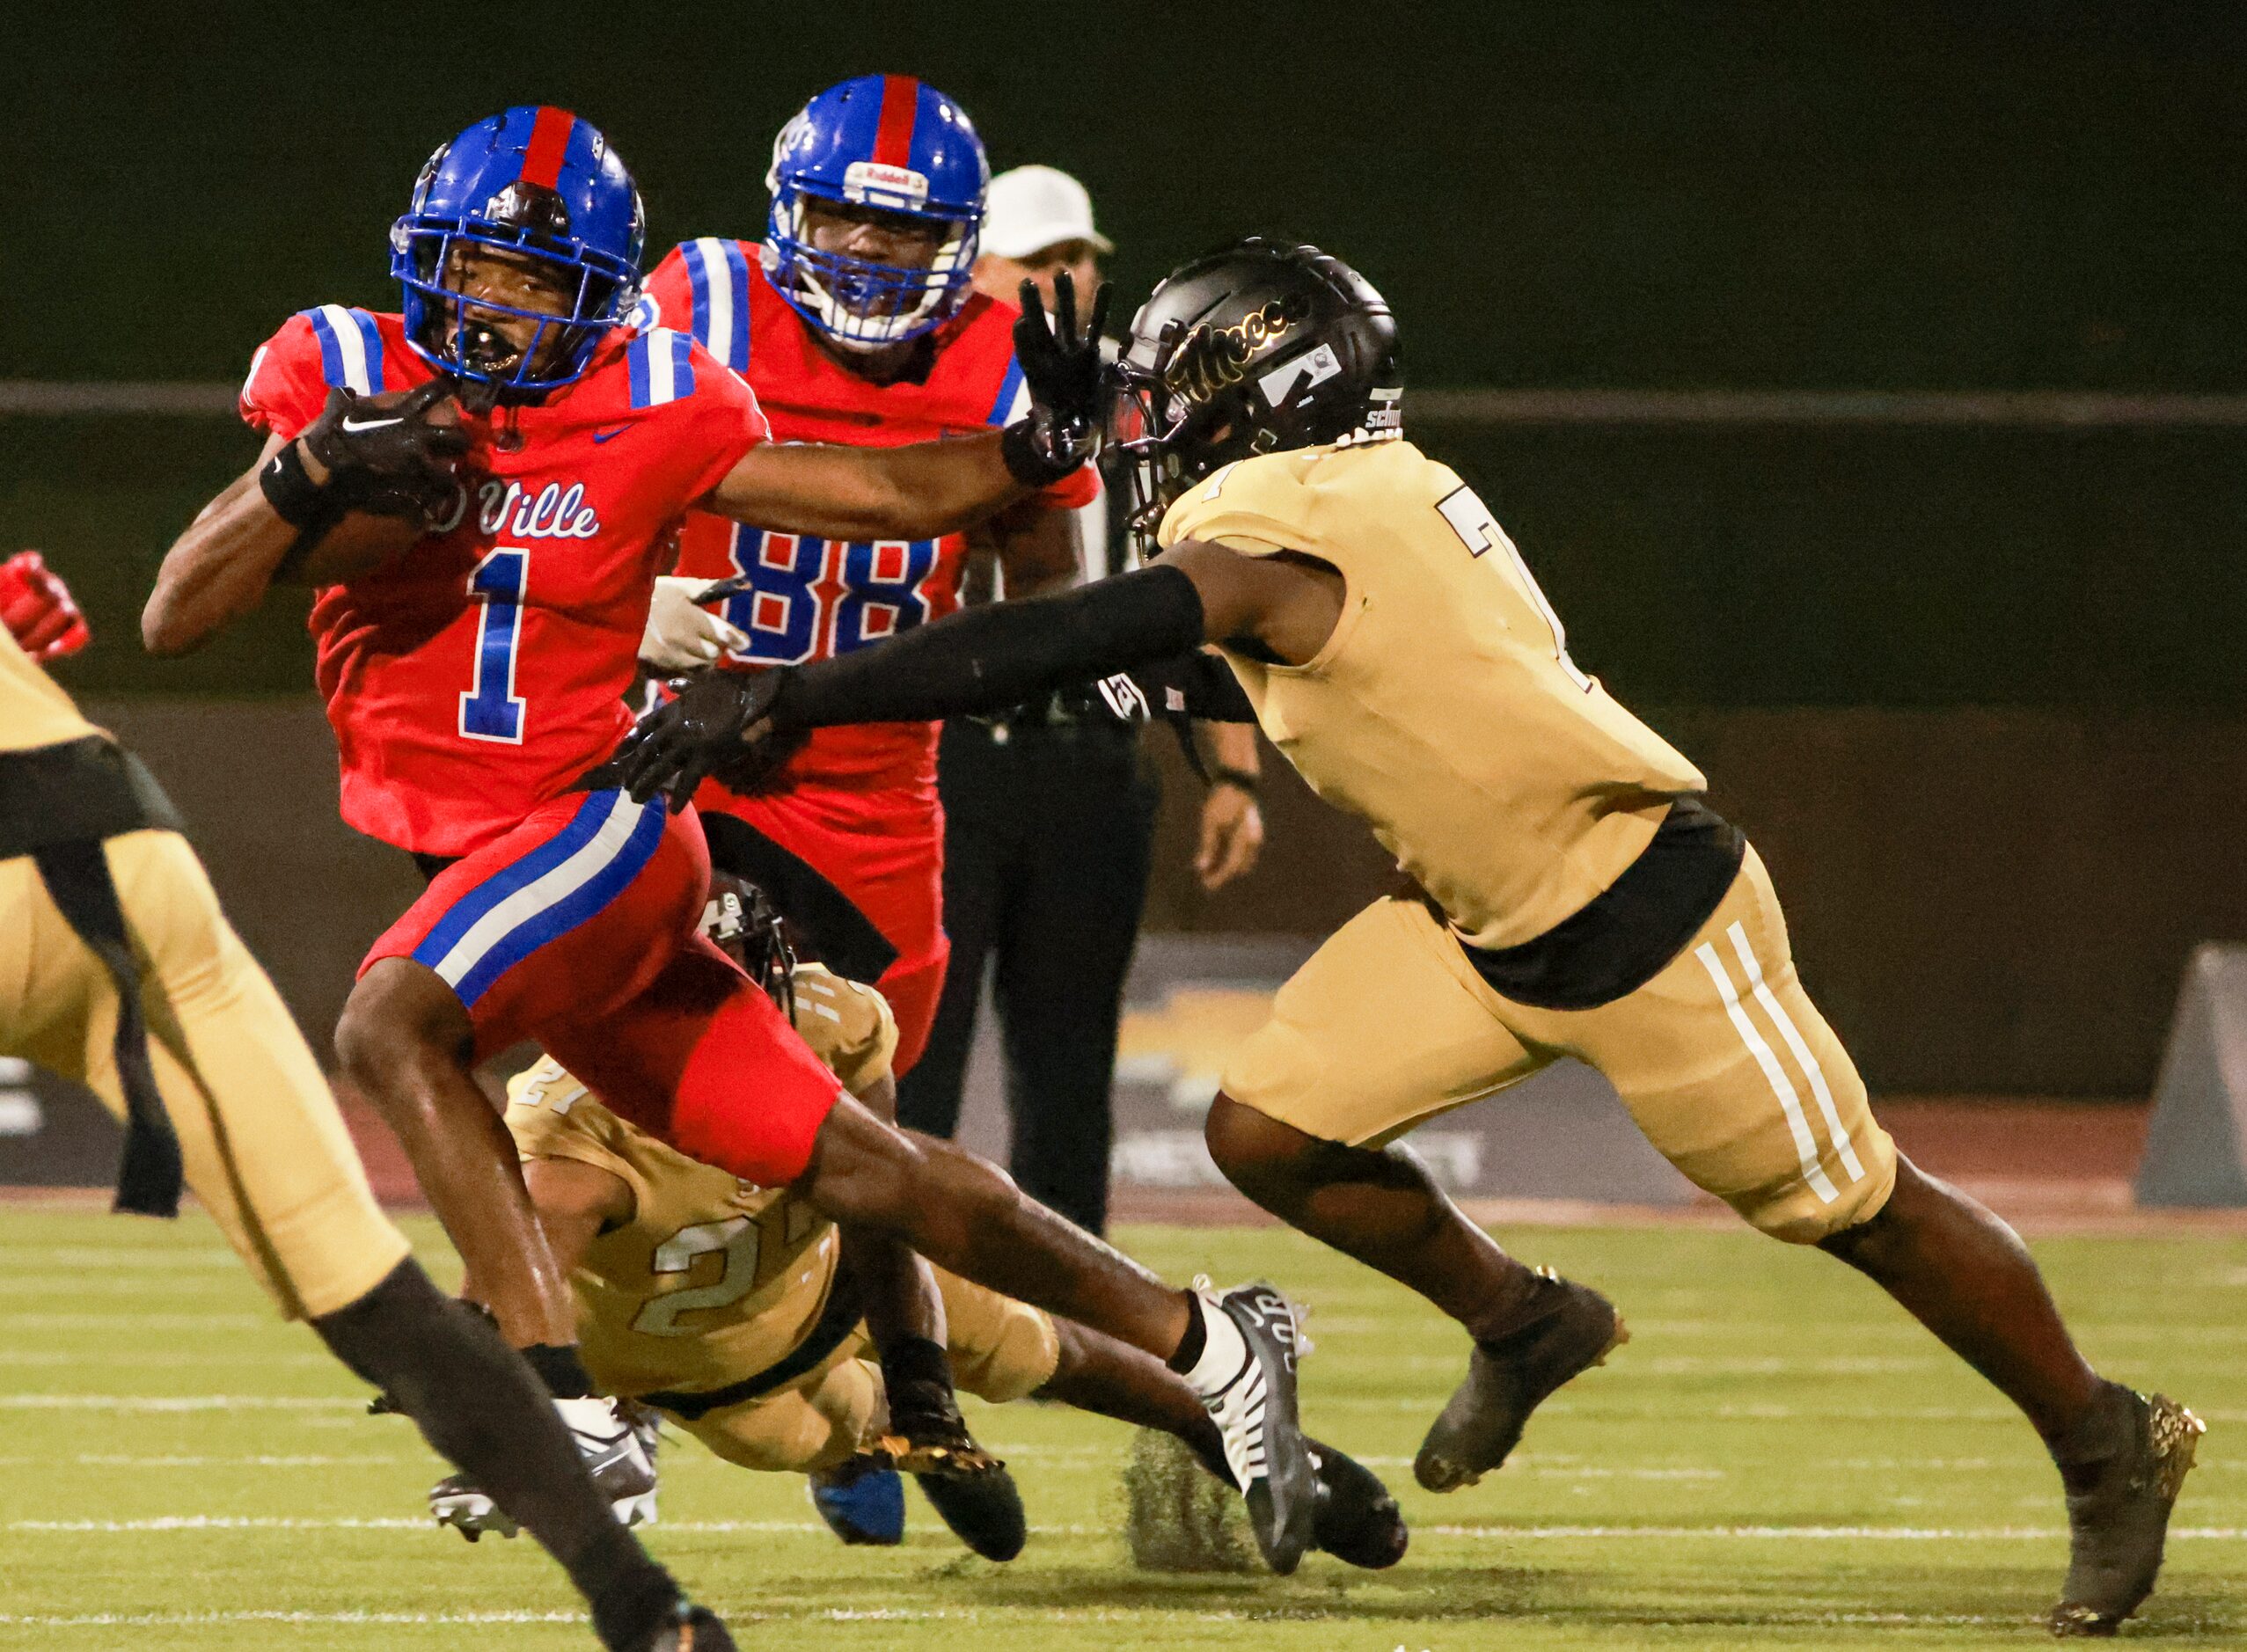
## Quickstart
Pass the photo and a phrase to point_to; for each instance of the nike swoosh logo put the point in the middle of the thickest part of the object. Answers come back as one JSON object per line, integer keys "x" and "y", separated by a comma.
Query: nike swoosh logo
{"x": 609, "y": 435}
{"x": 353, "y": 427}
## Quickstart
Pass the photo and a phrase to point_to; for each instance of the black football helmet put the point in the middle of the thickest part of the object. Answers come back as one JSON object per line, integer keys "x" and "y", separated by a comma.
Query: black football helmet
{"x": 1257, "y": 348}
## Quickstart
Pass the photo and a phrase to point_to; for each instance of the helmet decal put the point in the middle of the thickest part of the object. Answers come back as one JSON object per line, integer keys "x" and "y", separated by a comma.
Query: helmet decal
{"x": 1258, "y": 348}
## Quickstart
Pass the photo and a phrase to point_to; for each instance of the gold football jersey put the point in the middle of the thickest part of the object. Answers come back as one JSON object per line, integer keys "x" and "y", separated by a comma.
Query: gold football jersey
{"x": 713, "y": 1278}
{"x": 1444, "y": 709}
{"x": 33, "y": 709}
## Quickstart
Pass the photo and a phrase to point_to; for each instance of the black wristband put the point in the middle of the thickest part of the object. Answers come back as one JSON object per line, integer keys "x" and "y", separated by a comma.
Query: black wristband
{"x": 1018, "y": 446}
{"x": 1244, "y": 779}
{"x": 296, "y": 497}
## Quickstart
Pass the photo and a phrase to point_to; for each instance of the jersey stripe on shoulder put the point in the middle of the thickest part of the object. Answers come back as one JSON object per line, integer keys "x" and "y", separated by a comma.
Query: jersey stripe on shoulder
{"x": 661, "y": 366}
{"x": 719, "y": 274}
{"x": 1014, "y": 396}
{"x": 351, "y": 347}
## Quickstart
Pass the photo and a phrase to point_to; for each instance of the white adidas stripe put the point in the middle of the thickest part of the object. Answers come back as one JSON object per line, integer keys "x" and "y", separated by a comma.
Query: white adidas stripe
{"x": 554, "y": 888}
{"x": 1804, "y": 1058}
{"x": 1789, "y": 1103}
{"x": 660, "y": 389}
{"x": 718, "y": 281}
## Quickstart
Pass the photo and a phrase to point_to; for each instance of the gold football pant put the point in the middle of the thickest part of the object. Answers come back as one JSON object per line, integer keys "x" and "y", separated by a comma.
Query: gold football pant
{"x": 1000, "y": 1350}
{"x": 1723, "y": 1060}
{"x": 265, "y": 1149}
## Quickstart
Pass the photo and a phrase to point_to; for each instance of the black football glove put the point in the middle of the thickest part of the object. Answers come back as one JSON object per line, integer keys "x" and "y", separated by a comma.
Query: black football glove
{"x": 706, "y": 726}
{"x": 1066, "y": 380}
{"x": 389, "y": 460}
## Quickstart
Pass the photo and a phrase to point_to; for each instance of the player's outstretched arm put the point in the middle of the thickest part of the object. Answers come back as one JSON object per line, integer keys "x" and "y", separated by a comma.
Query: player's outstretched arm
{"x": 987, "y": 658}
{"x": 917, "y": 492}
{"x": 938, "y": 487}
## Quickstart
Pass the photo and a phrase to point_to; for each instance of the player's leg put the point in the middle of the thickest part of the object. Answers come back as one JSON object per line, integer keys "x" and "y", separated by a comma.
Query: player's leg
{"x": 706, "y": 1061}
{"x": 1371, "y": 1035}
{"x": 270, "y": 1159}
{"x": 569, "y": 915}
{"x": 1729, "y": 1070}
{"x": 1065, "y": 948}
{"x": 1386, "y": 1025}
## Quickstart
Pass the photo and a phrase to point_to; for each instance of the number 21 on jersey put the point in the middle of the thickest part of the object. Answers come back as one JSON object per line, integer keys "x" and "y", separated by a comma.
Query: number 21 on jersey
{"x": 1478, "y": 532}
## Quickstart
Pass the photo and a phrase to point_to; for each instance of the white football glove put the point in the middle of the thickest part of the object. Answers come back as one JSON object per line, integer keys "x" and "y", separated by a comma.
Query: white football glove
{"x": 682, "y": 635}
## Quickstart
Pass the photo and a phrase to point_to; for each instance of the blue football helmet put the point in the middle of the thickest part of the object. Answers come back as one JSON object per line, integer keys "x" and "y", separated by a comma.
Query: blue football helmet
{"x": 535, "y": 182}
{"x": 888, "y": 141}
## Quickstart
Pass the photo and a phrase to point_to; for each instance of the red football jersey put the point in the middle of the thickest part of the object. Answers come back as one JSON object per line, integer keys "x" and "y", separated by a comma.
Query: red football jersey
{"x": 812, "y": 598}
{"x": 484, "y": 670}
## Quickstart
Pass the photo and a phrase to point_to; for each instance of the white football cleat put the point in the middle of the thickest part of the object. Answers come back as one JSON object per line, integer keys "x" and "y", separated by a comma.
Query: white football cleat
{"x": 619, "y": 1445}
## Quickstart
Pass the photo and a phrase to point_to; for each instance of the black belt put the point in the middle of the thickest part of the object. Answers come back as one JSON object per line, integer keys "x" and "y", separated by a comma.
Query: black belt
{"x": 57, "y": 805}
{"x": 835, "y": 1325}
{"x": 1626, "y": 934}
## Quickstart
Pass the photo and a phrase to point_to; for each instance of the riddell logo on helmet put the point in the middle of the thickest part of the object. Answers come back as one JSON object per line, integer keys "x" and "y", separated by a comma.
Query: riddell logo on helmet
{"x": 872, "y": 184}
{"x": 1212, "y": 358}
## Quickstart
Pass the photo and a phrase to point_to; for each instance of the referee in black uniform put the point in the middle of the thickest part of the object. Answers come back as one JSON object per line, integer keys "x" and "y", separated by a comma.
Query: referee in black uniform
{"x": 1048, "y": 822}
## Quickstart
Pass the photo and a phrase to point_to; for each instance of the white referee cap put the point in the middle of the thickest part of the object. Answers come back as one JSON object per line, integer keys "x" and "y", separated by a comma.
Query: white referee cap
{"x": 1033, "y": 207}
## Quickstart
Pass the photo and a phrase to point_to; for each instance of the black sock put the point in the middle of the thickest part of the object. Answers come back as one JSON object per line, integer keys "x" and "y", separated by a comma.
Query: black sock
{"x": 560, "y": 1370}
{"x": 1193, "y": 1344}
{"x": 482, "y": 1408}
{"x": 916, "y": 1359}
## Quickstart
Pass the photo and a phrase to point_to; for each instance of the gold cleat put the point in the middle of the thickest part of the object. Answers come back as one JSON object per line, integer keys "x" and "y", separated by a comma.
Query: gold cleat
{"x": 2119, "y": 1520}
{"x": 962, "y": 1461}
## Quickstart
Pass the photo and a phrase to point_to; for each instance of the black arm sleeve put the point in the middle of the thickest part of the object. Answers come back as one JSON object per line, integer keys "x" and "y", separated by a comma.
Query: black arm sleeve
{"x": 988, "y": 659}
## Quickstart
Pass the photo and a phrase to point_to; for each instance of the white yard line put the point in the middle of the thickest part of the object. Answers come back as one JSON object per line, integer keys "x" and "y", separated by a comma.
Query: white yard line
{"x": 177, "y": 1402}
{"x": 1477, "y": 1533}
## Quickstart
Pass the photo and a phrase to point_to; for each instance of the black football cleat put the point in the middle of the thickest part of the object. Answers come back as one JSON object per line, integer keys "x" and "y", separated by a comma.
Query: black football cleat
{"x": 694, "y": 1629}
{"x": 2118, "y": 1519}
{"x": 1570, "y": 1329}
{"x": 1356, "y": 1520}
{"x": 1254, "y": 1408}
{"x": 984, "y": 1510}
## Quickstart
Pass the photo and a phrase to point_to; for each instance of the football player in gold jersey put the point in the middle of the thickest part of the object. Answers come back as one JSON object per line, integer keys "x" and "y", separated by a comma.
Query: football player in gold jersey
{"x": 1579, "y": 898}
{"x": 731, "y": 1308}
{"x": 118, "y": 968}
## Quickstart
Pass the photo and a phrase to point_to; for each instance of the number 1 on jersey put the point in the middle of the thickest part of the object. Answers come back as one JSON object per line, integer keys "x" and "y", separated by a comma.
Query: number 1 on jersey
{"x": 1478, "y": 532}
{"x": 491, "y": 709}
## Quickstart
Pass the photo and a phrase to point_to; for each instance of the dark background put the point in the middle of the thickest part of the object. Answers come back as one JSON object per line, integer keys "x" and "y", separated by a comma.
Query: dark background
{"x": 1978, "y": 693}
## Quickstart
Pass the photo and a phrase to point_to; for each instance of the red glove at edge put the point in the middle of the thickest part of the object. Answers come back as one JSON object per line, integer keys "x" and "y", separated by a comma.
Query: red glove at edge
{"x": 38, "y": 609}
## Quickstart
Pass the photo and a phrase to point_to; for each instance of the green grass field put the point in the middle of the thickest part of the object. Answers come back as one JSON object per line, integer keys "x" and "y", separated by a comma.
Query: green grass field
{"x": 1777, "y": 1459}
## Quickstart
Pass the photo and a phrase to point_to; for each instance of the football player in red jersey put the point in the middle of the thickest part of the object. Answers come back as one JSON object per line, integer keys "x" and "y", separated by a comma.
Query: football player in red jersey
{"x": 855, "y": 322}
{"x": 475, "y": 678}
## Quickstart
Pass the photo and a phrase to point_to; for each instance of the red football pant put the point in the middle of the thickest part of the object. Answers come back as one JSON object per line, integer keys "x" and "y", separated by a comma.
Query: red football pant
{"x": 886, "y": 857}
{"x": 578, "y": 930}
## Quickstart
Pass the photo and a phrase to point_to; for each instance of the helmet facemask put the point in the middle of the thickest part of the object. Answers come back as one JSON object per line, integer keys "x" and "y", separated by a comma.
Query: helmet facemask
{"x": 859, "y": 303}
{"x": 1173, "y": 423}
{"x": 518, "y": 250}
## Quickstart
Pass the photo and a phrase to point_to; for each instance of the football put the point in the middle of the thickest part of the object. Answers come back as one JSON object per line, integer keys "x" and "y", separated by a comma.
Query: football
{"x": 355, "y": 547}
{"x": 363, "y": 542}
